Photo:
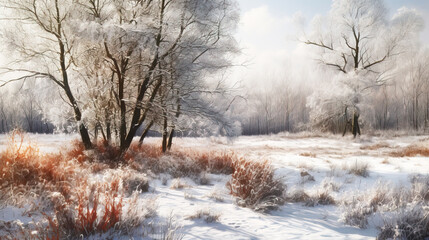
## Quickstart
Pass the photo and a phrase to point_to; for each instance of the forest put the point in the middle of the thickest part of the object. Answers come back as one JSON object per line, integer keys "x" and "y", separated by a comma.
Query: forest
{"x": 380, "y": 73}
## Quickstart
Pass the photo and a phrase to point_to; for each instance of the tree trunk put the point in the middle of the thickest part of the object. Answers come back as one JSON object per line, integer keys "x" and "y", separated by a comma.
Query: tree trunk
{"x": 346, "y": 119}
{"x": 164, "y": 134}
{"x": 96, "y": 134}
{"x": 108, "y": 132}
{"x": 355, "y": 125}
{"x": 172, "y": 131}
{"x": 170, "y": 139}
{"x": 146, "y": 130}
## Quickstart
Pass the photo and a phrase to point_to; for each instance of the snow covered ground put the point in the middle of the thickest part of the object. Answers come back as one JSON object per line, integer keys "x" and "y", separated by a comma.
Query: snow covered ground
{"x": 326, "y": 158}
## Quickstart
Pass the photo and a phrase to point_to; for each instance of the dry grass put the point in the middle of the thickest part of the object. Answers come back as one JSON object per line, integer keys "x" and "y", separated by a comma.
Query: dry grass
{"x": 22, "y": 165}
{"x": 205, "y": 214}
{"x": 255, "y": 186}
{"x": 404, "y": 211}
{"x": 320, "y": 198}
{"x": 58, "y": 183}
{"x": 298, "y": 195}
{"x": 411, "y": 151}
{"x": 375, "y": 146}
{"x": 330, "y": 184}
{"x": 308, "y": 154}
{"x": 357, "y": 168}
{"x": 216, "y": 195}
{"x": 181, "y": 163}
{"x": 385, "y": 161}
{"x": 178, "y": 184}
{"x": 74, "y": 206}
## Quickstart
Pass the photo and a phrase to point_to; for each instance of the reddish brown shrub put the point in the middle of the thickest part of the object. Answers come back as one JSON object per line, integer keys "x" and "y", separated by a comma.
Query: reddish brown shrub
{"x": 76, "y": 151}
{"x": 213, "y": 162}
{"x": 96, "y": 211}
{"x": 22, "y": 164}
{"x": 181, "y": 163}
{"x": 255, "y": 186}
{"x": 145, "y": 150}
{"x": 411, "y": 151}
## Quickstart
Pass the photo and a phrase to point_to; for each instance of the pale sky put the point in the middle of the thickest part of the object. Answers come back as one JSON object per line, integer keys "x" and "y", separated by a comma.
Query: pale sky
{"x": 268, "y": 32}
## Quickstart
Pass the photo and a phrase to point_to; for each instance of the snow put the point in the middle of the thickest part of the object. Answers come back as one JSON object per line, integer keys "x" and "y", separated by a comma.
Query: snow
{"x": 324, "y": 157}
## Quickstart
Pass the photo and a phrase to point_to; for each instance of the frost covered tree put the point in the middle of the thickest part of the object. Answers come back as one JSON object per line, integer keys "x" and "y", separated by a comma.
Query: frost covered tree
{"x": 41, "y": 37}
{"x": 357, "y": 40}
{"x": 117, "y": 61}
{"x": 148, "y": 46}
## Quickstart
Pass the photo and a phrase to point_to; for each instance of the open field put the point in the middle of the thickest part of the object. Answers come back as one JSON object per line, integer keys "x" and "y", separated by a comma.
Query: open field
{"x": 333, "y": 190}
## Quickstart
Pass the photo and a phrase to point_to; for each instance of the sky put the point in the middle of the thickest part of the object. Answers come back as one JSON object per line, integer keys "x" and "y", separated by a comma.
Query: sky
{"x": 268, "y": 32}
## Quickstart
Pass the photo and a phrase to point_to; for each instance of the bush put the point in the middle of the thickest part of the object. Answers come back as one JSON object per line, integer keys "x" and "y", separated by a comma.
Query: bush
{"x": 298, "y": 195}
{"x": 356, "y": 214}
{"x": 255, "y": 186}
{"x": 411, "y": 223}
{"x": 320, "y": 198}
{"x": 98, "y": 211}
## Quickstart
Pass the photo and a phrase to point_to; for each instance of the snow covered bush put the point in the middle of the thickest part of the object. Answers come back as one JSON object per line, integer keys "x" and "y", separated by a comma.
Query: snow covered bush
{"x": 98, "y": 209}
{"x": 255, "y": 186}
{"x": 411, "y": 223}
{"x": 322, "y": 197}
{"x": 356, "y": 214}
{"x": 401, "y": 208}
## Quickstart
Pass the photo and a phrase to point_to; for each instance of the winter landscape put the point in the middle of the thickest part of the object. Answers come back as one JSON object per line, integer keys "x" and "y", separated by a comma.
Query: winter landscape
{"x": 214, "y": 119}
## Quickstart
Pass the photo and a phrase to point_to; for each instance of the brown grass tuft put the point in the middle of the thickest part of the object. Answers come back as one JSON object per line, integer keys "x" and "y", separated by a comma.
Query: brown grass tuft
{"x": 255, "y": 186}
{"x": 207, "y": 215}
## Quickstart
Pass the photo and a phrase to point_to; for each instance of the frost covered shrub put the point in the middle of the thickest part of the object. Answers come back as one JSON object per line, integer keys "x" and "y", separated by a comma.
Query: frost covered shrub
{"x": 358, "y": 169}
{"x": 356, "y": 214}
{"x": 255, "y": 186}
{"x": 411, "y": 223}
{"x": 98, "y": 209}
{"x": 420, "y": 188}
{"x": 298, "y": 195}
{"x": 136, "y": 182}
{"x": 394, "y": 203}
{"x": 168, "y": 230}
{"x": 320, "y": 198}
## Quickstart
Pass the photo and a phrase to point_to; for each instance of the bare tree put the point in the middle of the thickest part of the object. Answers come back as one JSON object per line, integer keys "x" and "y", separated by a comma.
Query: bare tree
{"x": 53, "y": 47}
